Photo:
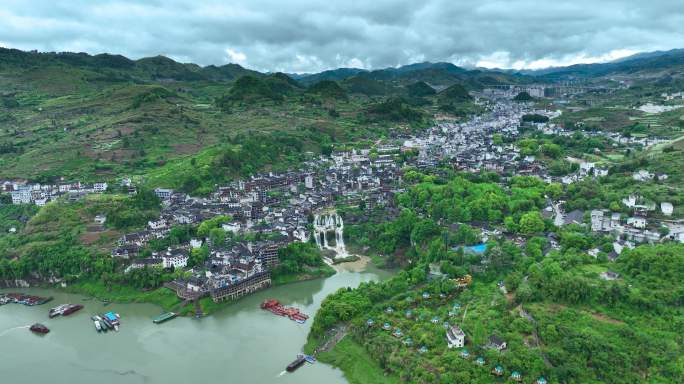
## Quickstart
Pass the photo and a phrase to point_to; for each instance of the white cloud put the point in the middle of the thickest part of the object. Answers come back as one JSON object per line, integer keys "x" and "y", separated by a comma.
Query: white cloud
{"x": 235, "y": 56}
{"x": 311, "y": 35}
{"x": 503, "y": 60}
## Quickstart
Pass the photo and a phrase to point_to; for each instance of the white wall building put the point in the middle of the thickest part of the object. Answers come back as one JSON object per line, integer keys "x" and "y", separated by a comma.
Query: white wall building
{"x": 455, "y": 337}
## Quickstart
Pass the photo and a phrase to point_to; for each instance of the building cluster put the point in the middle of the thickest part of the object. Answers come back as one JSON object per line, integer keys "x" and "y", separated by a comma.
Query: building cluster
{"x": 40, "y": 194}
{"x": 644, "y": 224}
{"x": 277, "y": 207}
{"x": 470, "y": 145}
{"x": 270, "y": 210}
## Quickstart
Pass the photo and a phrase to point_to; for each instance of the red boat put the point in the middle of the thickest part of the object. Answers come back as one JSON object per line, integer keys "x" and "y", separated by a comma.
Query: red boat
{"x": 71, "y": 308}
{"x": 276, "y": 308}
{"x": 29, "y": 300}
{"x": 39, "y": 328}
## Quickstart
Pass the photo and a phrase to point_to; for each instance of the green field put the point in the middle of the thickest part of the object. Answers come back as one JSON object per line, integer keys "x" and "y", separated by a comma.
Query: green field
{"x": 357, "y": 365}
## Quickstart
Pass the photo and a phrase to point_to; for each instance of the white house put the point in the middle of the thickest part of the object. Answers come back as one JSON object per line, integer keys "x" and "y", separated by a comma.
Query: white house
{"x": 643, "y": 175}
{"x": 455, "y": 337}
{"x": 637, "y": 222}
{"x": 585, "y": 168}
{"x": 163, "y": 193}
{"x": 599, "y": 172}
{"x": 233, "y": 227}
{"x": 176, "y": 258}
{"x": 597, "y": 220}
{"x": 195, "y": 243}
{"x": 609, "y": 275}
{"x": 666, "y": 208}
{"x": 22, "y": 196}
{"x": 497, "y": 343}
{"x": 157, "y": 224}
{"x": 100, "y": 187}
{"x": 100, "y": 219}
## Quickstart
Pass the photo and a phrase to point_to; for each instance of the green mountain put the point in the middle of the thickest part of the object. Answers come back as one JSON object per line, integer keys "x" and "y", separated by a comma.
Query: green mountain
{"x": 643, "y": 66}
{"x": 88, "y": 117}
{"x": 328, "y": 89}
{"x": 366, "y": 86}
{"x": 456, "y": 93}
{"x": 420, "y": 89}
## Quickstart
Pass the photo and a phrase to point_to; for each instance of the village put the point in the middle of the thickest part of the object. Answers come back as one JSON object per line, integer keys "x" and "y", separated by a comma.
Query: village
{"x": 269, "y": 211}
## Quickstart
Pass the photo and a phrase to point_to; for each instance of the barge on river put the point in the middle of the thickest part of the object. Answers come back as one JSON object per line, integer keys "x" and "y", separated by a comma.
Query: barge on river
{"x": 164, "y": 317}
{"x": 296, "y": 364}
{"x": 20, "y": 298}
{"x": 276, "y": 308}
{"x": 64, "y": 310}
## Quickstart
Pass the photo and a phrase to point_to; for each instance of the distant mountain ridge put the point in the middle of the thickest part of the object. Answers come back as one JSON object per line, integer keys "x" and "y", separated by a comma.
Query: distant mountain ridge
{"x": 441, "y": 74}
{"x": 643, "y": 63}
{"x": 147, "y": 68}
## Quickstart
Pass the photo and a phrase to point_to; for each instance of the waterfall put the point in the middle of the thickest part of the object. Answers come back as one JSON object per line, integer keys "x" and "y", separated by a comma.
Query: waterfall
{"x": 330, "y": 223}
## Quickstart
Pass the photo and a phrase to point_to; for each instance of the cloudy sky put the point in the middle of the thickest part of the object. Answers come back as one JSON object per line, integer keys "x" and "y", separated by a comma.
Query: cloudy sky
{"x": 309, "y": 36}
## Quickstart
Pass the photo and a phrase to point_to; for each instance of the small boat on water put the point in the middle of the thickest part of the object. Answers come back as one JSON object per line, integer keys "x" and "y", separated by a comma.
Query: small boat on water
{"x": 106, "y": 324}
{"x": 64, "y": 310}
{"x": 276, "y": 308}
{"x": 98, "y": 320}
{"x": 71, "y": 308}
{"x": 296, "y": 364}
{"x": 309, "y": 359}
{"x": 39, "y": 328}
{"x": 164, "y": 317}
{"x": 21, "y": 298}
{"x": 112, "y": 320}
{"x": 56, "y": 311}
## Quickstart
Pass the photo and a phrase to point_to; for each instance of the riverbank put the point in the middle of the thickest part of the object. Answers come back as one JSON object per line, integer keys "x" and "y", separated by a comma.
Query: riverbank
{"x": 355, "y": 362}
{"x": 311, "y": 274}
{"x": 359, "y": 263}
{"x": 167, "y": 299}
{"x": 255, "y": 345}
{"x": 163, "y": 297}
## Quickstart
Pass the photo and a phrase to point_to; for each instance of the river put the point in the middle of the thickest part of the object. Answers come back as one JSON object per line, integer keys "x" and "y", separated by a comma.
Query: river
{"x": 238, "y": 344}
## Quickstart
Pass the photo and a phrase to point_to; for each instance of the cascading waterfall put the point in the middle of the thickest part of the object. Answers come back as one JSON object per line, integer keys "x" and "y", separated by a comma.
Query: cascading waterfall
{"x": 330, "y": 223}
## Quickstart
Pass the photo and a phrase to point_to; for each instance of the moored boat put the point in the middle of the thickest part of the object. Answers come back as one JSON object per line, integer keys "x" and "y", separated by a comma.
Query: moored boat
{"x": 164, "y": 317}
{"x": 107, "y": 324}
{"x": 29, "y": 300}
{"x": 296, "y": 364}
{"x": 71, "y": 308}
{"x": 112, "y": 320}
{"x": 39, "y": 328}
{"x": 56, "y": 311}
{"x": 276, "y": 308}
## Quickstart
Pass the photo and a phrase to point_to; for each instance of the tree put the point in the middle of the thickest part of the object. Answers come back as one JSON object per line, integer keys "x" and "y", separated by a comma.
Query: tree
{"x": 552, "y": 150}
{"x": 554, "y": 190}
{"x": 198, "y": 256}
{"x": 5, "y": 198}
{"x": 217, "y": 236}
{"x": 531, "y": 223}
{"x": 207, "y": 225}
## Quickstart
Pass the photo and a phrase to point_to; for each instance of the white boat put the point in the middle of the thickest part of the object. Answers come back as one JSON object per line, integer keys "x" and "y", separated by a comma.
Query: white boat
{"x": 97, "y": 325}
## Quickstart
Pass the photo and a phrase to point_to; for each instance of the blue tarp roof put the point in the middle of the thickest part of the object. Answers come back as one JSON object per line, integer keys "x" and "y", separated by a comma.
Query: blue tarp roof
{"x": 110, "y": 316}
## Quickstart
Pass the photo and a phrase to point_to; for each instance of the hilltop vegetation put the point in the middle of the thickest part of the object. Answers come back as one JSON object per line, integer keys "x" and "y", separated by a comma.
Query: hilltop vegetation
{"x": 420, "y": 89}
{"x": 395, "y": 110}
{"x": 100, "y": 117}
{"x": 328, "y": 89}
{"x": 560, "y": 319}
